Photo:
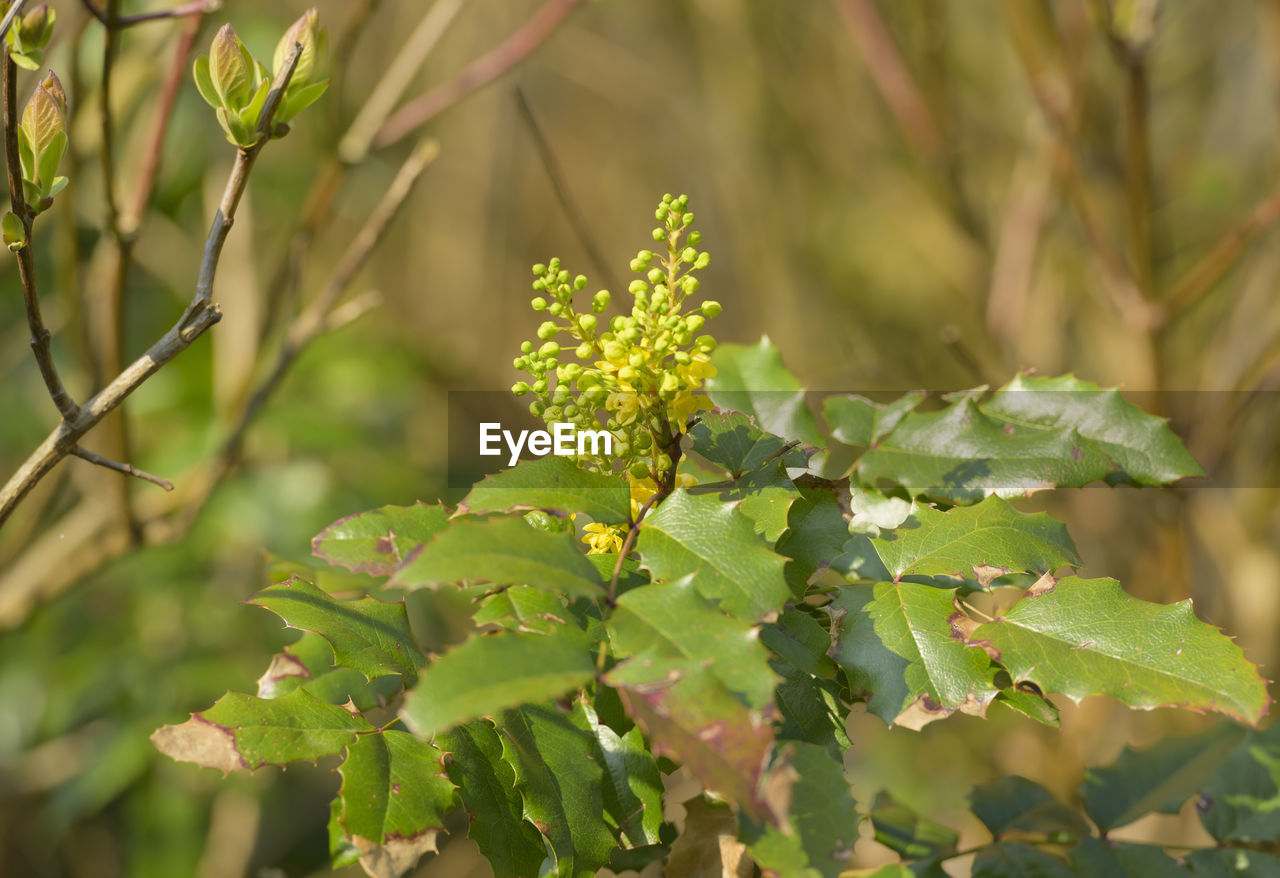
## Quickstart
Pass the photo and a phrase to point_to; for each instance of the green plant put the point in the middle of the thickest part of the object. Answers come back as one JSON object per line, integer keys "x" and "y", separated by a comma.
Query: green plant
{"x": 742, "y": 591}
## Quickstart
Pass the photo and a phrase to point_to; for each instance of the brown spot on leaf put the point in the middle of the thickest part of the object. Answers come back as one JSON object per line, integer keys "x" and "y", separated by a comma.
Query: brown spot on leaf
{"x": 283, "y": 666}
{"x": 207, "y": 744}
{"x": 1042, "y": 585}
{"x": 385, "y": 545}
{"x": 1029, "y": 687}
{"x": 396, "y": 855}
{"x": 986, "y": 574}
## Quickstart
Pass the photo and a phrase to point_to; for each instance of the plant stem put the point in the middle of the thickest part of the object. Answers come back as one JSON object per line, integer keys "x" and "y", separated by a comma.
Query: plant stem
{"x": 196, "y": 7}
{"x": 199, "y": 315}
{"x": 40, "y": 337}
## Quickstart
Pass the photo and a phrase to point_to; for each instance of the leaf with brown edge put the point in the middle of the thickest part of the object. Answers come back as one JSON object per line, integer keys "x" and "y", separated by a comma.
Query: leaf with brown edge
{"x": 368, "y": 635}
{"x": 241, "y": 731}
{"x": 378, "y": 541}
{"x": 1085, "y": 637}
{"x": 691, "y": 717}
{"x": 393, "y": 800}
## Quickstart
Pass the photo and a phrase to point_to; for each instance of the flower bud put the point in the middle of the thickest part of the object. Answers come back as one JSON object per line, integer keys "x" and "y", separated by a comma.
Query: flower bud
{"x": 307, "y": 33}
{"x": 550, "y": 349}
{"x": 538, "y": 303}
{"x": 44, "y": 128}
{"x": 584, "y": 350}
{"x": 520, "y": 388}
{"x": 580, "y": 282}
{"x": 547, "y": 330}
{"x": 711, "y": 308}
{"x": 230, "y": 69}
{"x": 587, "y": 322}
{"x": 36, "y": 28}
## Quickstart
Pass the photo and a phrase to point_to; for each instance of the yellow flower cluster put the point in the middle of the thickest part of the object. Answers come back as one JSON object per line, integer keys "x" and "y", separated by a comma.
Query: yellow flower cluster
{"x": 607, "y": 539}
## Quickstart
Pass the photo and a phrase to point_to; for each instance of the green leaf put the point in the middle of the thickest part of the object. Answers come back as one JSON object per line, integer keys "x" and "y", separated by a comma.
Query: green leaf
{"x": 369, "y": 635}
{"x": 718, "y": 544}
{"x": 1086, "y": 637}
{"x": 1018, "y": 804}
{"x": 562, "y": 781}
{"x": 671, "y": 620}
{"x": 764, "y": 495}
{"x": 308, "y": 664}
{"x": 811, "y": 710}
{"x": 874, "y": 672}
{"x": 921, "y": 624}
{"x": 487, "y": 786}
{"x": 1233, "y": 864}
{"x": 241, "y": 731}
{"x": 1159, "y": 778}
{"x": 1098, "y": 858}
{"x": 816, "y": 531}
{"x": 50, "y": 158}
{"x": 822, "y": 821}
{"x": 630, "y": 575}
{"x": 377, "y": 542}
{"x": 1142, "y": 445}
{"x": 394, "y": 798}
{"x": 855, "y": 420}
{"x": 204, "y": 85}
{"x": 552, "y": 483}
{"x": 980, "y": 542}
{"x": 901, "y": 829}
{"x": 1241, "y": 801}
{"x": 733, "y": 442}
{"x": 632, "y": 783}
{"x": 488, "y": 674}
{"x": 506, "y": 551}
{"x": 1030, "y": 703}
{"x": 1011, "y": 859}
{"x": 801, "y": 640}
{"x": 754, "y": 381}
{"x": 691, "y": 717}
{"x": 299, "y": 100}
{"x": 961, "y": 454}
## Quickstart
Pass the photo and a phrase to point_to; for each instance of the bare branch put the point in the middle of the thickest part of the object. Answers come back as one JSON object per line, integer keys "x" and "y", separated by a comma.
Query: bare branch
{"x": 478, "y": 73}
{"x": 40, "y": 338}
{"x": 199, "y": 315}
{"x": 9, "y": 16}
{"x": 127, "y": 469}
{"x": 197, "y": 7}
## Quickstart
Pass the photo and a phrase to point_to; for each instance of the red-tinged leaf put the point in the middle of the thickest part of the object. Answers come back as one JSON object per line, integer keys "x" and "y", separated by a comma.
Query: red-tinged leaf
{"x": 690, "y": 716}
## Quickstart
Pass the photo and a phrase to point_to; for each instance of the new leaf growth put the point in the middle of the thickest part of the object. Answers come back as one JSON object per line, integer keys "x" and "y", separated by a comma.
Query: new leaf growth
{"x": 236, "y": 84}
{"x": 42, "y": 142}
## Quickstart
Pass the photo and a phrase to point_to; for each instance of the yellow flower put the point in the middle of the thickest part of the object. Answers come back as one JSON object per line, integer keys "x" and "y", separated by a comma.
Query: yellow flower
{"x": 698, "y": 370}
{"x": 641, "y": 489}
{"x": 685, "y": 405}
{"x": 626, "y": 404}
{"x": 602, "y": 539}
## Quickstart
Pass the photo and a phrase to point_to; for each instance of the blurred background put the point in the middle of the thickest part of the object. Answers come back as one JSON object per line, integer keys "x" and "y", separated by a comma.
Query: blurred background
{"x": 930, "y": 195}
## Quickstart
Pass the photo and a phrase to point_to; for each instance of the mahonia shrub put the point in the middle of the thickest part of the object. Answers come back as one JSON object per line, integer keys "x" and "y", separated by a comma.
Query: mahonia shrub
{"x": 714, "y": 597}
